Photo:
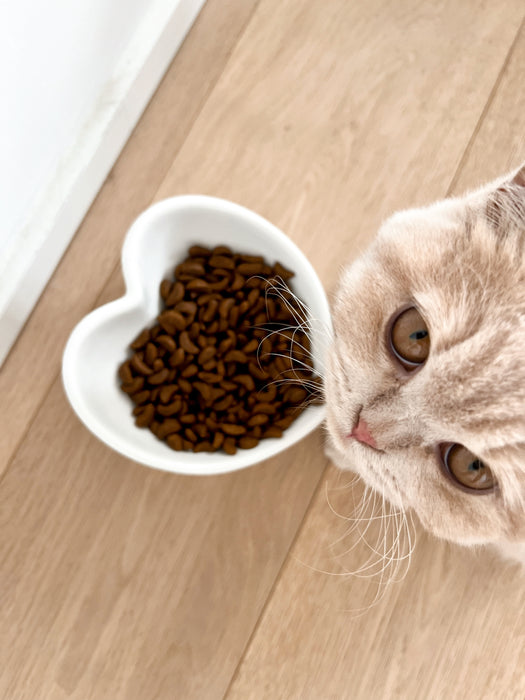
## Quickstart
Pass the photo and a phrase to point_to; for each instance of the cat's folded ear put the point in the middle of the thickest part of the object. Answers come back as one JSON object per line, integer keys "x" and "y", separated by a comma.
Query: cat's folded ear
{"x": 505, "y": 204}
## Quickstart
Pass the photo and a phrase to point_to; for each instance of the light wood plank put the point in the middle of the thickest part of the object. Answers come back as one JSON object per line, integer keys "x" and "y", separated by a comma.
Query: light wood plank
{"x": 127, "y": 583}
{"x": 454, "y": 628}
{"x": 74, "y": 288}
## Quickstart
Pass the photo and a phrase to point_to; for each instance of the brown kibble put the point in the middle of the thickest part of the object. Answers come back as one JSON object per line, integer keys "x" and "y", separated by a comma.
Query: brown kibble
{"x": 235, "y": 356}
{"x": 210, "y": 311}
{"x": 267, "y": 408}
{"x": 250, "y": 268}
{"x": 176, "y": 294}
{"x": 157, "y": 365}
{"x": 190, "y": 267}
{"x": 232, "y": 429}
{"x": 233, "y": 317}
{"x": 140, "y": 366}
{"x": 222, "y": 261}
{"x": 185, "y": 385}
{"x": 247, "y": 443}
{"x": 141, "y": 340}
{"x": 165, "y": 289}
{"x": 197, "y": 285}
{"x": 187, "y": 344}
{"x": 282, "y": 271}
{"x": 210, "y": 377}
{"x": 169, "y": 426}
{"x": 189, "y": 371}
{"x": 225, "y": 307}
{"x": 295, "y": 395}
{"x": 284, "y": 422}
{"x": 224, "y": 404}
{"x": 167, "y": 392}
{"x": 141, "y": 397}
{"x": 166, "y": 342}
{"x": 190, "y": 435}
{"x": 203, "y": 389}
{"x": 245, "y": 380}
{"x": 228, "y": 386}
{"x": 159, "y": 377}
{"x": 201, "y": 430}
{"x": 177, "y": 358}
{"x": 146, "y": 417}
{"x": 273, "y": 432}
{"x": 175, "y": 442}
{"x": 125, "y": 373}
{"x": 218, "y": 439}
{"x": 203, "y": 446}
{"x": 133, "y": 386}
{"x": 257, "y": 372}
{"x": 171, "y": 408}
{"x": 151, "y": 353}
{"x": 206, "y": 354}
{"x": 229, "y": 446}
{"x": 267, "y": 395}
{"x": 188, "y": 419}
{"x": 225, "y": 345}
{"x": 172, "y": 321}
{"x": 188, "y": 308}
{"x": 258, "y": 419}
{"x": 195, "y": 375}
{"x": 251, "y": 346}
{"x": 199, "y": 251}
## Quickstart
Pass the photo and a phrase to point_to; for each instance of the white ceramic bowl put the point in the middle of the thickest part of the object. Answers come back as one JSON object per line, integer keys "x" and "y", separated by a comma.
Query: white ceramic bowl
{"x": 155, "y": 243}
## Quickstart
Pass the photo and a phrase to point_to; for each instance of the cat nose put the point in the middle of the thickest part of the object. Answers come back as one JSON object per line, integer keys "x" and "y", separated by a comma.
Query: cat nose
{"x": 361, "y": 433}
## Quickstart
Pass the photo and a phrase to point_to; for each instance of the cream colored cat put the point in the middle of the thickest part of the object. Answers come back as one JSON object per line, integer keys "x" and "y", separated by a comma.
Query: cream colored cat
{"x": 425, "y": 381}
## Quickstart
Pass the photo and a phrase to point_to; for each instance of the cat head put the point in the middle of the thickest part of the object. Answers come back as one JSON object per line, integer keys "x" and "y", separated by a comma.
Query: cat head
{"x": 425, "y": 380}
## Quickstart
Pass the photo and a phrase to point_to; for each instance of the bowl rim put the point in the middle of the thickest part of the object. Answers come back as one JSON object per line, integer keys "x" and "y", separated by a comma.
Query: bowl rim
{"x": 134, "y": 297}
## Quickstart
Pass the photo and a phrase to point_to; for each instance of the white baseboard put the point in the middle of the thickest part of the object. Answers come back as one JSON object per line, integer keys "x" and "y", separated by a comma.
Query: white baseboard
{"x": 59, "y": 209}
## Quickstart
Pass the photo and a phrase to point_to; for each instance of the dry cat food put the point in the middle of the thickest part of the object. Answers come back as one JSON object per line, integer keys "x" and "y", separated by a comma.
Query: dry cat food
{"x": 227, "y": 362}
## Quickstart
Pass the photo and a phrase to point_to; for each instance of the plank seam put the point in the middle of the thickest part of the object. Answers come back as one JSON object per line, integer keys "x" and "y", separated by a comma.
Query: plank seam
{"x": 485, "y": 110}
{"x": 277, "y": 579}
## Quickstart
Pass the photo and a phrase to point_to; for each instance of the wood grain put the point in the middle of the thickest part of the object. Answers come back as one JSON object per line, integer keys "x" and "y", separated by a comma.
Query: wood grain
{"x": 126, "y": 583}
{"x": 129, "y": 188}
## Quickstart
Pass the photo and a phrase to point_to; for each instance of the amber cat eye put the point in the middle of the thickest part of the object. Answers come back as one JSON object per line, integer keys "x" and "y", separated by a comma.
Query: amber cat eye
{"x": 466, "y": 469}
{"x": 409, "y": 338}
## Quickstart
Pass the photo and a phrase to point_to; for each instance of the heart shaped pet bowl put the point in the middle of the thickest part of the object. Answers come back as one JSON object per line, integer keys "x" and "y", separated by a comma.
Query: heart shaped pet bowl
{"x": 157, "y": 241}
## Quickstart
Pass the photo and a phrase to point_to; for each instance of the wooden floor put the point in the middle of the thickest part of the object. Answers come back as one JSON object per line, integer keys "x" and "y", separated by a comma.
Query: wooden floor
{"x": 123, "y": 583}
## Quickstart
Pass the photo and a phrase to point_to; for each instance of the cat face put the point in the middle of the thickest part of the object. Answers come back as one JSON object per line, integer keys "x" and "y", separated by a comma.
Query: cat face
{"x": 425, "y": 381}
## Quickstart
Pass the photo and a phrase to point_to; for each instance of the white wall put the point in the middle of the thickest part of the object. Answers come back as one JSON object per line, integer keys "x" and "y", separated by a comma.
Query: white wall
{"x": 74, "y": 79}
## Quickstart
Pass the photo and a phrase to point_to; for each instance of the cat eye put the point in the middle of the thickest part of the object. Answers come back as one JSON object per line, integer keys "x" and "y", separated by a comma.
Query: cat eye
{"x": 467, "y": 470}
{"x": 409, "y": 339}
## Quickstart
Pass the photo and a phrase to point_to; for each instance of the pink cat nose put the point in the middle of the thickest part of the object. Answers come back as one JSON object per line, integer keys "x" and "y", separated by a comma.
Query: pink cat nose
{"x": 361, "y": 433}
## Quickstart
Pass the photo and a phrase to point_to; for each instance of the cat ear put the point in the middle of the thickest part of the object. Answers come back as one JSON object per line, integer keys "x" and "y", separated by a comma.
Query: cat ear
{"x": 506, "y": 202}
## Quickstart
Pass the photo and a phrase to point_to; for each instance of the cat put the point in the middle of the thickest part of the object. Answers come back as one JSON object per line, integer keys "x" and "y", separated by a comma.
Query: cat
{"x": 425, "y": 374}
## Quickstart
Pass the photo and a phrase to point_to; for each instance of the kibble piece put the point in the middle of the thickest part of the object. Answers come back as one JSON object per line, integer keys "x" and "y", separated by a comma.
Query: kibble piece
{"x": 167, "y": 427}
{"x": 159, "y": 377}
{"x": 229, "y": 446}
{"x": 133, "y": 386}
{"x": 175, "y": 442}
{"x": 187, "y": 344}
{"x": 232, "y": 429}
{"x": 247, "y": 443}
{"x": 145, "y": 418}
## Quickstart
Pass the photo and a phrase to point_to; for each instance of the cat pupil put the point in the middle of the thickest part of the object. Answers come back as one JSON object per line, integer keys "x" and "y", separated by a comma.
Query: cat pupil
{"x": 418, "y": 335}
